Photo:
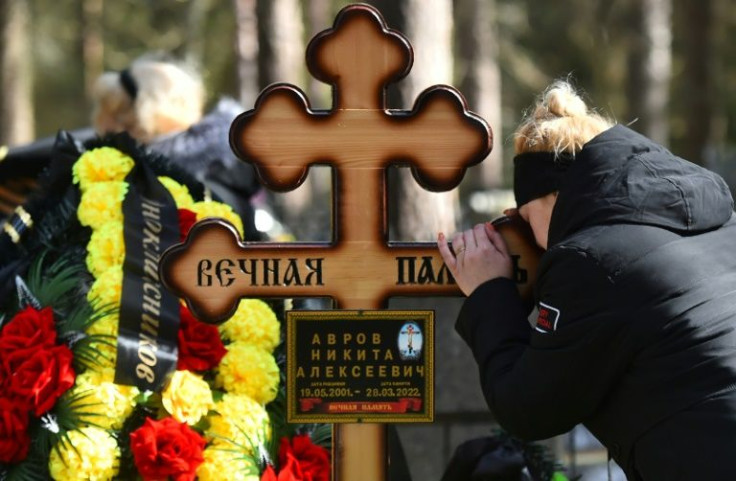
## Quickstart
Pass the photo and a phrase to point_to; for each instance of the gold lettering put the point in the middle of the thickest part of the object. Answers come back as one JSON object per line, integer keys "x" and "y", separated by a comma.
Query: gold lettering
{"x": 331, "y": 339}
{"x": 315, "y": 354}
{"x": 149, "y": 324}
{"x": 331, "y": 355}
{"x": 145, "y": 372}
{"x": 314, "y": 372}
{"x": 300, "y": 372}
{"x": 151, "y": 290}
{"x": 146, "y": 354}
{"x": 329, "y": 371}
{"x": 360, "y": 338}
{"x": 315, "y": 339}
{"x": 154, "y": 227}
{"x": 376, "y": 338}
{"x": 150, "y": 268}
{"x": 152, "y": 307}
{"x": 355, "y": 371}
{"x": 150, "y": 208}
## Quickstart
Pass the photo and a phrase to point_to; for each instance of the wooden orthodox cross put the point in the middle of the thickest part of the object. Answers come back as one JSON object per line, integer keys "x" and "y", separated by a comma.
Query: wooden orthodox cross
{"x": 359, "y": 137}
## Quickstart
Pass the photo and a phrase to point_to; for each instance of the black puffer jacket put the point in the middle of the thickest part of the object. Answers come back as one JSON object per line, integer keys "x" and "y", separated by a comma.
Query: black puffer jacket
{"x": 636, "y": 334}
{"x": 204, "y": 151}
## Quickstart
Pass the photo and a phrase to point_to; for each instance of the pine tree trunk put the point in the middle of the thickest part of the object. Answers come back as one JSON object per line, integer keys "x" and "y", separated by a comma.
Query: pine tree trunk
{"x": 281, "y": 34}
{"x": 651, "y": 68}
{"x": 16, "y": 100}
{"x": 318, "y": 16}
{"x": 422, "y": 214}
{"x": 92, "y": 43}
{"x": 480, "y": 79}
{"x": 246, "y": 47}
{"x": 196, "y": 17}
{"x": 281, "y": 59}
{"x": 698, "y": 71}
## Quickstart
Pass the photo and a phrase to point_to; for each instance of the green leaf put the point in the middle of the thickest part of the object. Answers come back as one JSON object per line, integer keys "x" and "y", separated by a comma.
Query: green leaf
{"x": 33, "y": 468}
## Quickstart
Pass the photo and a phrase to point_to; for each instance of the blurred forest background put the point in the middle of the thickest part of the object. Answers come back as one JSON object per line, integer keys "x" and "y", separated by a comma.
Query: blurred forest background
{"x": 663, "y": 66}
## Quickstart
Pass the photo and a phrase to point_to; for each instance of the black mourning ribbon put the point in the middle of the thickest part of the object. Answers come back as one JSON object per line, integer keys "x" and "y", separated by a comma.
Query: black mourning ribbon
{"x": 149, "y": 313}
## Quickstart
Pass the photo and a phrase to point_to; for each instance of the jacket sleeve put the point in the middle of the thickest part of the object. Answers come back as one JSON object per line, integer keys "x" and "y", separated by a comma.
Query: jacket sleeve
{"x": 541, "y": 381}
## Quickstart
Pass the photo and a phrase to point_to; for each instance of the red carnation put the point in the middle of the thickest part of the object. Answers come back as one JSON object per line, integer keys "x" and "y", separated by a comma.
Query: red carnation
{"x": 269, "y": 474}
{"x": 29, "y": 329}
{"x": 313, "y": 461}
{"x": 166, "y": 448}
{"x": 187, "y": 219}
{"x": 289, "y": 471}
{"x": 39, "y": 380}
{"x": 14, "y": 439}
{"x": 200, "y": 346}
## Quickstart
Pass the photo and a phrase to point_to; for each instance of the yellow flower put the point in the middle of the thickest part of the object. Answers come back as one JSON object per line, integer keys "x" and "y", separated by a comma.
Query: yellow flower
{"x": 90, "y": 453}
{"x": 106, "y": 248}
{"x": 180, "y": 193}
{"x": 239, "y": 421}
{"x": 105, "y": 326}
{"x": 102, "y": 202}
{"x": 187, "y": 397}
{"x": 106, "y": 404}
{"x": 208, "y": 209}
{"x": 107, "y": 359}
{"x": 253, "y": 322}
{"x": 227, "y": 463}
{"x": 101, "y": 165}
{"x": 107, "y": 288}
{"x": 249, "y": 370}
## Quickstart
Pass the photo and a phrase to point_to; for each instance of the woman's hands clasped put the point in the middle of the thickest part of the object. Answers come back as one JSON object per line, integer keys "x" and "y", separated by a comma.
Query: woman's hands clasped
{"x": 477, "y": 255}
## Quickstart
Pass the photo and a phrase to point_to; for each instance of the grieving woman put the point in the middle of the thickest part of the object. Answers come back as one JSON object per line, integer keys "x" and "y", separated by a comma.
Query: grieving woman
{"x": 635, "y": 331}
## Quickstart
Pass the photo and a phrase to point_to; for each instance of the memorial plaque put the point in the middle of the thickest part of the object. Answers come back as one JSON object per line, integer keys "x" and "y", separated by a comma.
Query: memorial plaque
{"x": 357, "y": 366}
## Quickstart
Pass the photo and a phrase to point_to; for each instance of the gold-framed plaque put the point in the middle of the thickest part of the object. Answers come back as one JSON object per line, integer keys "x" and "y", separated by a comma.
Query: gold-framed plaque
{"x": 354, "y": 366}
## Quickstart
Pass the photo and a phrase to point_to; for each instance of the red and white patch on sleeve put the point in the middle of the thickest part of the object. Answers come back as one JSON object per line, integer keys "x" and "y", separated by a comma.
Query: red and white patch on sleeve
{"x": 547, "y": 319}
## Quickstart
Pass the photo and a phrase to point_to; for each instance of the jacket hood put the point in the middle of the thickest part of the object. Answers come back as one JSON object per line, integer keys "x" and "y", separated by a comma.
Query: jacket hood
{"x": 621, "y": 176}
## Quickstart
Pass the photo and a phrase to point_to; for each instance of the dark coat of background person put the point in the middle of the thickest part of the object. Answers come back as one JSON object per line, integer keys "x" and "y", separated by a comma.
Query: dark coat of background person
{"x": 204, "y": 151}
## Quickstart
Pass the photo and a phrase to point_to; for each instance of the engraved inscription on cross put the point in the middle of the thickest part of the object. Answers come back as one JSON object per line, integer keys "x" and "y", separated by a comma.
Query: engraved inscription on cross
{"x": 360, "y": 138}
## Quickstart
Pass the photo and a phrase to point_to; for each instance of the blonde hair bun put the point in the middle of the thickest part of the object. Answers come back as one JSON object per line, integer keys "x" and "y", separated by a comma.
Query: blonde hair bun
{"x": 560, "y": 122}
{"x": 561, "y": 100}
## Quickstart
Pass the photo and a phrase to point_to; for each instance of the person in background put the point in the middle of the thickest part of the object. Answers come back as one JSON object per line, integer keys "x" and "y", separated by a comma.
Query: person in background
{"x": 635, "y": 333}
{"x": 160, "y": 102}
